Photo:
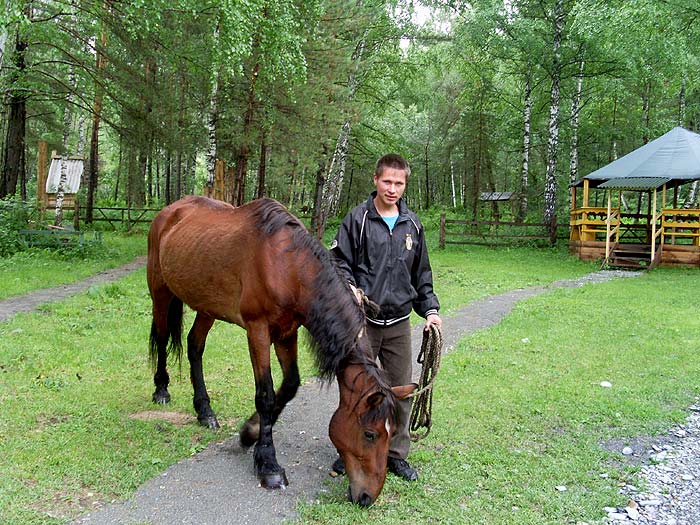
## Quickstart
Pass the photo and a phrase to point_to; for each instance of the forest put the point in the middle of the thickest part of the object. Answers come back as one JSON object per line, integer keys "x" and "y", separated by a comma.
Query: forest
{"x": 296, "y": 99}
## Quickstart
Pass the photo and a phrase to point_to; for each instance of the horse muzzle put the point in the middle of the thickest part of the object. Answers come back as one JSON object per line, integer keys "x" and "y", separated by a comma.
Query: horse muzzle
{"x": 363, "y": 499}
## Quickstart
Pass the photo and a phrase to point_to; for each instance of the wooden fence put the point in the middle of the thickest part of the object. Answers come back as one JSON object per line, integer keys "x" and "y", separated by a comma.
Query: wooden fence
{"x": 495, "y": 233}
{"x": 120, "y": 215}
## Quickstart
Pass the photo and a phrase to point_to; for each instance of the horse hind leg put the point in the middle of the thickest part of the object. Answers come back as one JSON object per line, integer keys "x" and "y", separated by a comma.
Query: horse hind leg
{"x": 195, "y": 350}
{"x": 286, "y": 351}
{"x": 166, "y": 326}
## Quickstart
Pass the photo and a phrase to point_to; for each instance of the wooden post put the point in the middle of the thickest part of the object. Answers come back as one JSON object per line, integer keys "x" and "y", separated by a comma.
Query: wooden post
{"x": 586, "y": 193}
{"x": 76, "y": 214}
{"x": 442, "y": 230}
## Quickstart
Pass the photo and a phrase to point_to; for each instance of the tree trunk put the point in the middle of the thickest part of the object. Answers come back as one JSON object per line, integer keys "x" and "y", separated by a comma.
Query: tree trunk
{"x": 316, "y": 225}
{"x": 426, "y": 167}
{"x": 452, "y": 182}
{"x": 93, "y": 163}
{"x": 334, "y": 180}
{"x": 525, "y": 170}
{"x": 212, "y": 122}
{"x": 119, "y": 171}
{"x": 13, "y": 154}
{"x": 646, "y": 111}
{"x": 262, "y": 168}
{"x": 168, "y": 177}
{"x": 67, "y": 120}
{"x": 575, "y": 109}
{"x": 239, "y": 184}
{"x": 550, "y": 188}
{"x": 681, "y": 104}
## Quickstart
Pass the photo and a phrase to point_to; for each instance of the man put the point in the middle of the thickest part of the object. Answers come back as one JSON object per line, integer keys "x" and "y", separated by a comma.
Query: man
{"x": 381, "y": 250}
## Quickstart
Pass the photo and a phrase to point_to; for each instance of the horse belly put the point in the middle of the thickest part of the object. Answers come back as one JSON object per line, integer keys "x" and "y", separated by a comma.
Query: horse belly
{"x": 202, "y": 276}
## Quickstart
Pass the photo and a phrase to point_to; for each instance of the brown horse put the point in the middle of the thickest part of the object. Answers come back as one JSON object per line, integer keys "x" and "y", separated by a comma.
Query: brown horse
{"x": 258, "y": 267}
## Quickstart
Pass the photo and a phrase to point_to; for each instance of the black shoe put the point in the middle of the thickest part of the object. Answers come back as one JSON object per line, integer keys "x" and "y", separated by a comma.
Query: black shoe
{"x": 338, "y": 467}
{"x": 401, "y": 468}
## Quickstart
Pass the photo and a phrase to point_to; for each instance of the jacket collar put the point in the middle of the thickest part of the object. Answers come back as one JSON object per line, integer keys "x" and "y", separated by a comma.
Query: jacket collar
{"x": 374, "y": 214}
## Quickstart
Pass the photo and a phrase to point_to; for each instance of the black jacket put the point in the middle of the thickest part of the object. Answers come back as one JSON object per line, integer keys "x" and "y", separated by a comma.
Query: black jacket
{"x": 391, "y": 267}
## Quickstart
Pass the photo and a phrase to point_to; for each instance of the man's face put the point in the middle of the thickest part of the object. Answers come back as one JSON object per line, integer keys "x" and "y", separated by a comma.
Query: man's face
{"x": 390, "y": 186}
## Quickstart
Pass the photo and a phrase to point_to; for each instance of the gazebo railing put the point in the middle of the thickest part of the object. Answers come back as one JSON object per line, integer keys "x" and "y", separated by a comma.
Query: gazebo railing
{"x": 678, "y": 224}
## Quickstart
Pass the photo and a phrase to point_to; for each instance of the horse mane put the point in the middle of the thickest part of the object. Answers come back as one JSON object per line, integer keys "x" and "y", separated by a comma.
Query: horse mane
{"x": 334, "y": 319}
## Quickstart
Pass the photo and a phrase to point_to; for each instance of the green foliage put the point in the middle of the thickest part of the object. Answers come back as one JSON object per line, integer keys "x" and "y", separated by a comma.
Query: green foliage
{"x": 14, "y": 217}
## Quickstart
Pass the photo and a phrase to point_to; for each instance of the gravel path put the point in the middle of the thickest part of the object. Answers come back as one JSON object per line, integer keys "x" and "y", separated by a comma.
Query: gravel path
{"x": 670, "y": 471}
{"x": 199, "y": 489}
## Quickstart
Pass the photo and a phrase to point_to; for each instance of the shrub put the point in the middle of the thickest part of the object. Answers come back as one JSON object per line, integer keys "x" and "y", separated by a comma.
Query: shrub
{"x": 14, "y": 217}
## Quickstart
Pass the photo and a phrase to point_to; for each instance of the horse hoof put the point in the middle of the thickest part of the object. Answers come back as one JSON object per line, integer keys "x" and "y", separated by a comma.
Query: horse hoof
{"x": 276, "y": 480}
{"x": 210, "y": 422}
{"x": 161, "y": 398}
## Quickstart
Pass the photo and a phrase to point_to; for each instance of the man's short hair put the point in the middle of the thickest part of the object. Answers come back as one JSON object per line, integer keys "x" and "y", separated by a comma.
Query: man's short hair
{"x": 392, "y": 160}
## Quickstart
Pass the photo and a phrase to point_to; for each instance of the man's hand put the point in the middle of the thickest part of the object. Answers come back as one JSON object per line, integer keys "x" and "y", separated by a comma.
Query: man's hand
{"x": 358, "y": 294}
{"x": 433, "y": 319}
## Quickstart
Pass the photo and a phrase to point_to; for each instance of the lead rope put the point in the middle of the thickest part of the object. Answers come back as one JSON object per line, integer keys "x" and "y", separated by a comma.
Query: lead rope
{"x": 429, "y": 357}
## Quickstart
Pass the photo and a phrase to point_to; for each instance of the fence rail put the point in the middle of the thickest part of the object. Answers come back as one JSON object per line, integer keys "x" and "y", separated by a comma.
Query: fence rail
{"x": 118, "y": 215}
{"x": 494, "y": 233}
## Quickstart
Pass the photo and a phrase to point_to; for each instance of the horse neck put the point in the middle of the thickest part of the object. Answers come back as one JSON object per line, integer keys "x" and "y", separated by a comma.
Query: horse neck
{"x": 354, "y": 381}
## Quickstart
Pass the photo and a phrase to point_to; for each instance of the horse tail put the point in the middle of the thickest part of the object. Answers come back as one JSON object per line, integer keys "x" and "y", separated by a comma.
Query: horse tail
{"x": 173, "y": 334}
{"x": 175, "y": 328}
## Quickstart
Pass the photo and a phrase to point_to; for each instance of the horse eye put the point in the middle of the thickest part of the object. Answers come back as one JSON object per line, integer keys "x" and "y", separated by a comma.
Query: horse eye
{"x": 370, "y": 435}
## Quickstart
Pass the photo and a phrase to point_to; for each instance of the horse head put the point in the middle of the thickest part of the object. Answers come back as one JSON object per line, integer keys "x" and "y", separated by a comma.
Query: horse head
{"x": 362, "y": 426}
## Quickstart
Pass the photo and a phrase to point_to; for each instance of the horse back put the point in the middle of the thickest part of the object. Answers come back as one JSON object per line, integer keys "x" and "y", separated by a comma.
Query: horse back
{"x": 219, "y": 260}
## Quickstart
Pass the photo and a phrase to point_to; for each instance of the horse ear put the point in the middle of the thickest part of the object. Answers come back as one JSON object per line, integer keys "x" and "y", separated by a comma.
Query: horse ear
{"x": 376, "y": 399}
{"x": 402, "y": 391}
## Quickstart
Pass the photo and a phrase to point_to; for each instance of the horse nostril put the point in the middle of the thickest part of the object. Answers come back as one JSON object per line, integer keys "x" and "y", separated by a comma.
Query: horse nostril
{"x": 365, "y": 500}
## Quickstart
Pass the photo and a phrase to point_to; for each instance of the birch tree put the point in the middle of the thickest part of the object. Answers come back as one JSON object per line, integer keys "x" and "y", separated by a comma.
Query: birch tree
{"x": 67, "y": 120}
{"x": 575, "y": 118}
{"x": 550, "y": 187}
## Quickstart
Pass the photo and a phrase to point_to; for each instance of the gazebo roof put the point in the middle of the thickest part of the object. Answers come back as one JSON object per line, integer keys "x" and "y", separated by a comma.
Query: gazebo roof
{"x": 673, "y": 158}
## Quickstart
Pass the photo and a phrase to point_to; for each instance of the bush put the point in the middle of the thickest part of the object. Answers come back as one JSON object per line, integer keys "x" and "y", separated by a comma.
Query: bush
{"x": 14, "y": 216}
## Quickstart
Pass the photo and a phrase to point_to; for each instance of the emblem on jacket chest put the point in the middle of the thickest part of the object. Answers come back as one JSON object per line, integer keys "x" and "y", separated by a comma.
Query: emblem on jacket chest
{"x": 409, "y": 241}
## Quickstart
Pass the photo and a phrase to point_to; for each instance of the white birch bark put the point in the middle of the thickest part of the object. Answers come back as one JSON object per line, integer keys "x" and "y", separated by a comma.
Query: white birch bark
{"x": 452, "y": 181}
{"x": 212, "y": 122}
{"x": 575, "y": 109}
{"x": 333, "y": 185}
{"x": 550, "y": 188}
{"x": 525, "y": 170}
{"x": 67, "y": 119}
{"x": 4, "y": 34}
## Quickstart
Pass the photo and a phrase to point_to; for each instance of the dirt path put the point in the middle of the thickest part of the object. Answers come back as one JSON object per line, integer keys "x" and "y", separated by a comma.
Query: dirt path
{"x": 29, "y": 301}
{"x": 218, "y": 485}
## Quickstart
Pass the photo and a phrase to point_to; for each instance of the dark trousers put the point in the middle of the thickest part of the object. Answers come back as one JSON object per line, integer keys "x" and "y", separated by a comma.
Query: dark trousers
{"x": 392, "y": 345}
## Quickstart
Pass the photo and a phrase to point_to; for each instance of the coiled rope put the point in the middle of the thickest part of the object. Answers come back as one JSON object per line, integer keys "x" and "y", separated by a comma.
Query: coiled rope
{"x": 429, "y": 358}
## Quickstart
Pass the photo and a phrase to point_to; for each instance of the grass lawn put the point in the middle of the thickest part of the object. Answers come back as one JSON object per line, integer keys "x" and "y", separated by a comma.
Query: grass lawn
{"x": 38, "y": 268}
{"x": 518, "y": 407}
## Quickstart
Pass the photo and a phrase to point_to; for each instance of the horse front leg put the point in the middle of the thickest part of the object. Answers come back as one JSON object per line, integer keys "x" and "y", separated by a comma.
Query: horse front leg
{"x": 195, "y": 351}
{"x": 286, "y": 350}
{"x": 268, "y": 470}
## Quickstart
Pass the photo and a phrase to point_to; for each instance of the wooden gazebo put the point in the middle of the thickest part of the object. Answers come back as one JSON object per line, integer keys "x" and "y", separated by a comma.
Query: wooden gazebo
{"x": 664, "y": 233}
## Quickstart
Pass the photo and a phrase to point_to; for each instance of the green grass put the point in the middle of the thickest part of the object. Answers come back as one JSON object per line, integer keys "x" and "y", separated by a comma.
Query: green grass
{"x": 38, "y": 268}
{"x": 512, "y": 419}
{"x": 519, "y": 409}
